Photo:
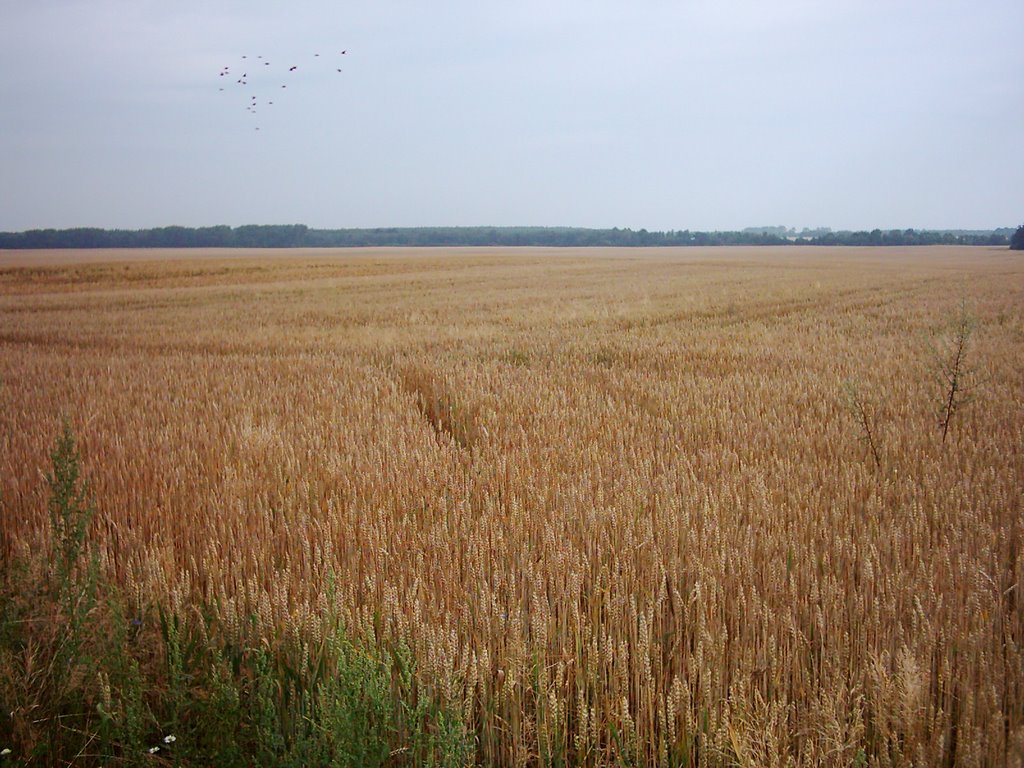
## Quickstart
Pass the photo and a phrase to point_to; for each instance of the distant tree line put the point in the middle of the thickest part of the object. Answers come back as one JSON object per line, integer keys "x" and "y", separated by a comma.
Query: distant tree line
{"x": 1017, "y": 240}
{"x": 301, "y": 236}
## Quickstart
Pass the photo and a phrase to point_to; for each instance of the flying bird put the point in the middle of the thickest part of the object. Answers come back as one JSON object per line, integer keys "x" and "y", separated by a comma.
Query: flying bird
{"x": 258, "y": 84}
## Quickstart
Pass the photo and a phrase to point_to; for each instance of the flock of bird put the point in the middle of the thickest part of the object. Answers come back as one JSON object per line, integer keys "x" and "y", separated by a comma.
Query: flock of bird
{"x": 260, "y": 72}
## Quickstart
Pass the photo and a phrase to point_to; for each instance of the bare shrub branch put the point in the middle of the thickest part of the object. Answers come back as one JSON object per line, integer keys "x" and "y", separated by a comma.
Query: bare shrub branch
{"x": 959, "y": 380}
{"x": 859, "y": 408}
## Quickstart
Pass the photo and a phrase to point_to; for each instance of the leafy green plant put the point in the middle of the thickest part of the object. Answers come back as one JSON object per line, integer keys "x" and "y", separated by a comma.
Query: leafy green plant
{"x": 71, "y": 510}
{"x": 356, "y": 713}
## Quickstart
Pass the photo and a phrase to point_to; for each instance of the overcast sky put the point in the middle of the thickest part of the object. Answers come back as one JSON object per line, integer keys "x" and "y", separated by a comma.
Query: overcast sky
{"x": 696, "y": 114}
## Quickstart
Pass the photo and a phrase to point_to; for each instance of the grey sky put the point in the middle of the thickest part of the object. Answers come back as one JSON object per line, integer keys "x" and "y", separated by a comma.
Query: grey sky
{"x": 665, "y": 115}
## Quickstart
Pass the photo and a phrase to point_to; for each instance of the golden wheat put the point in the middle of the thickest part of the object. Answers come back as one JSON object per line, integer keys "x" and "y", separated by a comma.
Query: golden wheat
{"x": 614, "y": 501}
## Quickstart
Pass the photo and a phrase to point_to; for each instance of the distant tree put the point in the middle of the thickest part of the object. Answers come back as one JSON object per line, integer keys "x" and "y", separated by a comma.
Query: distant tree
{"x": 298, "y": 235}
{"x": 1017, "y": 241}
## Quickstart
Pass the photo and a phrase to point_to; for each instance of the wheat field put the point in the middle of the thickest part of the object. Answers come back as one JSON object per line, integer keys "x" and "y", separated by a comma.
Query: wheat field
{"x": 621, "y": 504}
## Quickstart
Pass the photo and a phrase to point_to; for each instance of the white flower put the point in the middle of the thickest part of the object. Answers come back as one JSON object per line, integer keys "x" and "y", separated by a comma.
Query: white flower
{"x": 170, "y": 739}
{"x": 153, "y": 750}
{"x": 4, "y": 752}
